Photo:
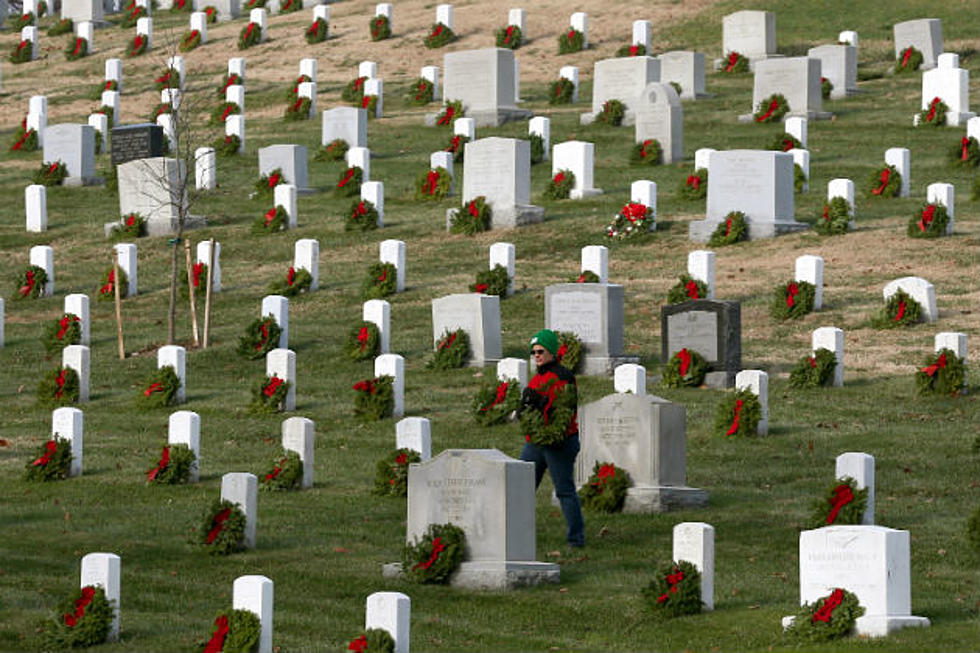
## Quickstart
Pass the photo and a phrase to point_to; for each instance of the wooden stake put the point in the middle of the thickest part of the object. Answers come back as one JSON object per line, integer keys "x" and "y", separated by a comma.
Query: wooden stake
{"x": 207, "y": 297}
{"x": 118, "y": 300}
{"x": 190, "y": 290}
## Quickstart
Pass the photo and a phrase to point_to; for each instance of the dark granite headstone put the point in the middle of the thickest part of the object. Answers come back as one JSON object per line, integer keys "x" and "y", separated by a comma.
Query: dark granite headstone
{"x": 711, "y": 328}
{"x": 131, "y": 142}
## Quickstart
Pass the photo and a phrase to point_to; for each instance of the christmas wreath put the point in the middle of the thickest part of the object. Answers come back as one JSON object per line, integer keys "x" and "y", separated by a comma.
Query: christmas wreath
{"x": 289, "y": 6}
{"x": 373, "y": 640}
{"x": 771, "y": 109}
{"x": 223, "y": 110}
{"x": 380, "y": 282}
{"x": 269, "y": 395}
{"x": 934, "y": 115}
{"x": 108, "y": 112}
{"x": 272, "y": 221}
{"x": 316, "y": 32}
{"x": 814, "y": 371}
{"x": 843, "y": 504}
{"x": 632, "y": 50}
{"x": 52, "y": 461}
{"x": 472, "y": 218}
{"x": 286, "y": 473}
{"x": 966, "y": 153}
{"x": 298, "y": 109}
{"x": 686, "y": 368}
{"x": 570, "y": 41}
{"x": 349, "y": 182}
{"x": 569, "y": 354}
{"x": 335, "y": 150}
{"x": 392, "y": 475}
{"x": 26, "y": 139}
{"x": 686, "y": 289}
{"x": 261, "y": 337}
{"x": 50, "y": 174}
{"x": 586, "y": 276}
{"x": 457, "y": 147}
{"x": 439, "y": 36}
{"x": 495, "y": 402}
{"x": 738, "y": 414}
{"x": 190, "y": 40}
{"x": 296, "y": 281}
{"x": 784, "y": 143}
{"x": 131, "y": 225}
{"x": 792, "y": 299}
{"x": 450, "y": 112}
{"x": 363, "y": 342}
{"x": 735, "y": 63}
{"x": 59, "y": 387}
{"x": 675, "y": 591}
{"x": 908, "y": 60}
{"x": 944, "y": 373}
{"x": 250, "y": 35}
{"x": 159, "y": 110}
{"x": 160, "y": 388}
{"x": 23, "y": 20}
{"x": 826, "y": 88}
{"x": 731, "y": 230}
{"x": 63, "y": 26}
{"x": 835, "y": 219}
{"x": 900, "y": 311}
{"x": 174, "y": 466}
{"x": 612, "y": 113}
{"x": 695, "y": 187}
{"x": 560, "y": 186}
{"x": 647, "y": 152}
{"x": 354, "y": 91}
{"x": 537, "y": 148}
{"x": 255, "y": 4}
{"x": 211, "y": 14}
{"x": 237, "y": 631}
{"x": 30, "y": 282}
{"x": 885, "y": 182}
{"x": 380, "y": 28}
{"x": 67, "y": 330}
{"x": 561, "y": 91}
{"x": 555, "y": 406}
{"x": 108, "y": 85}
{"x": 928, "y": 222}
{"x": 293, "y": 91}
{"x": 22, "y": 52}
{"x": 452, "y": 350}
{"x": 76, "y": 48}
{"x": 137, "y": 46}
{"x": 83, "y": 619}
{"x": 422, "y": 92}
{"x": 374, "y": 399}
{"x": 223, "y": 528}
{"x": 509, "y": 37}
{"x": 362, "y": 216}
{"x": 605, "y": 491}
{"x": 199, "y": 277}
{"x": 129, "y": 20}
{"x": 436, "y": 555}
{"x": 633, "y": 220}
{"x": 495, "y": 281}
{"x": 231, "y": 79}
{"x": 370, "y": 105}
{"x": 227, "y": 146}
{"x": 181, "y": 5}
{"x": 827, "y": 618}
{"x": 266, "y": 185}
{"x": 433, "y": 184}
{"x": 107, "y": 289}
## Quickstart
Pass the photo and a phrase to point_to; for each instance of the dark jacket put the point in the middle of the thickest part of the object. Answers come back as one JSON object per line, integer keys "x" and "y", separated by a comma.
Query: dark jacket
{"x": 535, "y": 399}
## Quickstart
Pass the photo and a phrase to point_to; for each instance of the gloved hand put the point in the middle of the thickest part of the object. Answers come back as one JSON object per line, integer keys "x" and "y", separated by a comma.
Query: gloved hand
{"x": 532, "y": 399}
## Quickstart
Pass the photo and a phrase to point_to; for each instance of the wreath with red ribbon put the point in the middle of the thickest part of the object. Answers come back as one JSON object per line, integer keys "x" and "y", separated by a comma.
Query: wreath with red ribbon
{"x": 771, "y": 109}
{"x": 675, "y": 590}
{"x": 844, "y": 504}
{"x": 76, "y": 48}
{"x": 51, "y": 462}
{"x": 227, "y": 145}
{"x": 605, "y": 491}
{"x": 237, "y": 631}
{"x": 436, "y": 555}
{"x": 475, "y": 216}
{"x": 492, "y": 282}
{"x": 731, "y": 230}
{"x": 349, "y": 182}
{"x": 363, "y": 342}
{"x": 250, "y": 35}
{"x": 908, "y": 61}
{"x": 380, "y": 28}
{"x": 451, "y": 111}
{"x": 131, "y": 225}
{"x": 59, "y": 387}
{"x": 784, "y": 143}
{"x": 451, "y": 350}
{"x": 66, "y": 330}
{"x": 83, "y": 619}
{"x": 198, "y": 277}
{"x": 738, "y": 414}
{"x": 380, "y": 282}
{"x": 495, "y": 401}
{"x": 735, "y": 63}
{"x": 261, "y": 337}
{"x": 509, "y": 37}
{"x": 22, "y": 52}
{"x": 549, "y": 424}
{"x": 792, "y": 300}
{"x": 63, "y": 26}
{"x": 685, "y": 369}
{"x": 966, "y": 153}
{"x": 570, "y": 41}
{"x": 190, "y": 40}
{"x": 316, "y": 32}
{"x": 632, "y": 50}
{"x": 335, "y": 150}
{"x": 372, "y": 640}
{"x": 50, "y": 174}
{"x": 647, "y": 153}
{"x": 687, "y": 289}
{"x": 285, "y": 473}
{"x": 560, "y": 186}
{"x": 272, "y": 221}
{"x": 30, "y": 282}
{"x": 174, "y": 465}
{"x": 612, "y": 113}
{"x": 137, "y": 46}
{"x": 814, "y": 371}
{"x": 934, "y": 115}
{"x": 928, "y": 222}
{"x": 433, "y": 184}
{"x": 374, "y": 399}
{"x": 269, "y": 395}
{"x": 900, "y": 310}
{"x": 232, "y": 79}
{"x": 943, "y": 373}
{"x": 422, "y": 92}
{"x": 392, "y": 472}
{"x": 107, "y": 287}
{"x": 223, "y": 110}
{"x": 26, "y": 140}
{"x": 439, "y": 36}
{"x": 354, "y": 91}
{"x": 835, "y": 219}
{"x": 457, "y": 146}
{"x": 695, "y": 187}
{"x": 370, "y": 104}
{"x": 826, "y": 618}
{"x": 885, "y": 182}
{"x": 223, "y": 529}
{"x": 160, "y": 388}
{"x": 361, "y": 216}
{"x": 561, "y": 91}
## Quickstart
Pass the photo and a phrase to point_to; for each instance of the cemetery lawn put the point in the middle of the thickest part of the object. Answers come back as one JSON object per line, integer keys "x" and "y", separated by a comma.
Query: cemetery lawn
{"x": 324, "y": 547}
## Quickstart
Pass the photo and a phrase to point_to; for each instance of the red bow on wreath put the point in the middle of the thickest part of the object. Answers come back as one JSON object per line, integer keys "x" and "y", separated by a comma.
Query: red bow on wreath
{"x": 885, "y": 174}
{"x": 161, "y": 466}
{"x": 900, "y": 313}
{"x": 363, "y": 336}
{"x": 965, "y": 152}
{"x": 358, "y": 645}
{"x": 932, "y": 109}
{"x": 447, "y": 117}
{"x": 773, "y": 105}
{"x": 448, "y": 342}
{"x": 275, "y": 470}
{"x": 437, "y": 547}
{"x": 733, "y": 429}
{"x": 672, "y": 580}
{"x": 841, "y": 497}
{"x": 218, "y": 524}
{"x": 273, "y": 385}
{"x": 64, "y": 323}
{"x": 693, "y": 181}
{"x": 264, "y": 329}
{"x": 928, "y": 214}
{"x": 732, "y": 60}
{"x": 692, "y": 289}
{"x": 88, "y": 593}
{"x": 217, "y": 642}
{"x": 60, "y": 382}
{"x": 935, "y": 367}
{"x": 49, "y": 449}
{"x": 347, "y": 177}
{"x": 792, "y": 290}
{"x": 501, "y": 396}
{"x": 365, "y": 386}
{"x": 906, "y": 54}
{"x": 684, "y": 357}
{"x": 826, "y": 610}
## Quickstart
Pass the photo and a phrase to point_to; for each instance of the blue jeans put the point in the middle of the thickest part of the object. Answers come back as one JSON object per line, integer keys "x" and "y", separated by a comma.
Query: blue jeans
{"x": 559, "y": 460}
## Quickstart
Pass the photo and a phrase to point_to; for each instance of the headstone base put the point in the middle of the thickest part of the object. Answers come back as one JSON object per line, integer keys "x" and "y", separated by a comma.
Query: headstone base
{"x": 83, "y": 181}
{"x": 494, "y": 575}
{"x": 700, "y": 230}
{"x": 629, "y": 118}
{"x": 508, "y": 217}
{"x": 488, "y": 117}
{"x": 719, "y": 63}
{"x": 953, "y": 118}
{"x": 584, "y": 192}
{"x": 809, "y": 115}
{"x": 162, "y": 227}
{"x": 603, "y": 365}
{"x": 657, "y": 498}
{"x": 721, "y": 380}
{"x": 877, "y": 625}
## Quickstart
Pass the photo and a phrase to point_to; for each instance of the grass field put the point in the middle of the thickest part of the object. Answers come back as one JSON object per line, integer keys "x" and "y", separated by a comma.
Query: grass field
{"x": 324, "y": 548}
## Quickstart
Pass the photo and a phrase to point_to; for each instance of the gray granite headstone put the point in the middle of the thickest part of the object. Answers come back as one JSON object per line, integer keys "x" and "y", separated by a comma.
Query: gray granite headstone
{"x": 750, "y": 33}
{"x": 712, "y": 329}
{"x": 476, "y": 314}
{"x": 659, "y": 116}
{"x": 686, "y": 69}
{"x": 500, "y": 170}
{"x": 227, "y": 9}
{"x": 483, "y": 80}
{"x": 646, "y": 436}
{"x": 594, "y": 313}
{"x": 291, "y": 159}
{"x": 131, "y": 142}
{"x": 73, "y": 145}
{"x": 925, "y": 35}
{"x": 623, "y": 79}
{"x": 838, "y": 63}
{"x": 82, "y": 10}
{"x": 346, "y": 123}
{"x": 795, "y": 78}
{"x": 152, "y": 188}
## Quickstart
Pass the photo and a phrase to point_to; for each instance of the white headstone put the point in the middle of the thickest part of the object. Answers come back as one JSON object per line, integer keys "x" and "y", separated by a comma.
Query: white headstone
{"x": 757, "y": 382}
{"x": 924, "y": 34}
{"x": 951, "y": 84}
{"x": 199, "y": 22}
{"x": 374, "y": 192}
{"x": 236, "y": 95}
{"x": 952, "y": 340}
{"x": 29, "y": 34}
{"x": 69, "y": 424}
{"x": 750, "y": 33}
{"x": 203, "y": 255}
{"x": 393, "y": 251}
{"x": 571, "y": 74}
{"x": 701, "y": 267}
{"x": 918, "y": 289}
{"x": 444, "y": 15}
{"x": 307, "y": 257}
{"x": 205, "y": 168}
{"x": 443, "y": 159}
{"x": 78, "y": 358}
{"x": 796, "y": 126}
{"x": 414, "y": 433}
{"x": 236, "y": 66}
{"x": 255, "y": 594}
{"x": 809, "y": 268}
{"x": 802, "y": 159}
{"x": 258, "y": 16}
{"x": 235, "y": 126}
{"x": 595, "y": 259}
{"x": 860, "y": 467}
{"x": 78, "y": 305}
{"x": 943, "y": 194}
{"x": 36, "y": 207}
{"x": 431, "y": 73}
{"x": 383, "y": 9}
{"x": 580, "y": 21}
{"x": 973, "y": 128}
{"x": 505, "y": 254}
{"x": 167, "y": 122}
{"x": 43, "y": 257}
{"x": 114, "y": 72}
{"x": 282, "y": 363}
{"x": 278, "y": 307}
{"x": 832, "y": 339}
{"x": 686, "y": 69}
{"x": 659, "y": 116}
{"x": 542, "y": 127}
{"x": 361, "y": 158}
{"x": 375, "y": 87}
{"x": 512, "y": 369}
{"x": 899, "y": 157}
{"x": 465, "y": 127}
{"x": 841, "y": 188}
{"x": 378, "y": 312}
{"x": 321, "y": 12}
{"x": 641, "y": 33}
{"x": 100, "y": 123}
{"x": 394, "y": 366}
{"x": 126, "y": 254}
{"x": 694, "y": 542}
{"x": 177, "y": 63}
{"x": 241, "y": 488}
{"x": 284, "y": 195}
{"x": 308, "y": 67}
{"x": 391, "y": 611}
{"x": 86, "y": 30}
{"x": 104, "y": 570}
{"x": 176, "y": 357}
{"x": 144, "y": 28}
{"x": 298, "y": 435}
{"x": 849, "y": 36}
{"x": 345, "y": 123}
{"x": 644, "y": 192}
{"x": 630, "y": 377}
{"x": 308, "y": 90}
{"x": 579, "y": 158}
{"x": 517, "y": 17}
{"x": 702, "y": 156}
{"x": 184, "y": 427}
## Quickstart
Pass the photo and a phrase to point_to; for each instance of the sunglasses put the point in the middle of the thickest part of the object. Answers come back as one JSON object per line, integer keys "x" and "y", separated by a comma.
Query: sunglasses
{"x": 538, "y": 352}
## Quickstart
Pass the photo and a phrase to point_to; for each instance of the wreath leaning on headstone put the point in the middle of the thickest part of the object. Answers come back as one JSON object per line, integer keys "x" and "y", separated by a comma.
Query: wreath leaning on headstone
{"x": 934, "y": 115}
{"x": 900, "y": 310}
{"x": 349, "y": 182}
{"x": 943, "y": 373}
{"x": 66, "y": 330}
{"x": 269, "y": 395}
{"x": 26, "y": 139}
{"x": 76, "y": 48}
{"x": 174, "y": 466}
{"x": 237, "y": 631}
{"x": 633, "y": 220}
{"x": 687, "y": 288}
{"x": 107, "y": 288}
{"x": 436, "y": 555}
{"x": 612, "y": 113}
{"x": 63, "y": 26}
{"x": 51, "y": 462}
{"x": 285, "y": 473}
{"x": 380, "y": 28}
{"x": 605, "y": 491}
{"x": 561, "y": 91}
{"x": 22, "y": 53}
{"x": 784, "y": 143}
{"x": 695, "y": 187}
{"x": 814, "y": 371}
{"x": 380, "y": 282}
{"x": 735, "y": 63}
{"x": 83, "y": 619}
{"x": 537, "y": 147}
{"x": 451, "y": 352}
{"x": 792, "y": 300}
{"x": 227, "y": 145}
{"x": 885, "y": 182}
{"x": 59, "y": 387}
{"x": 966, "y": 153}
{"x": 647, "y": 152}
{"x": 771, "y": 109}
{"x": 298, "y": 109}
{"x": 547, "y": 423}
{"x": 826, "y": 88}
{"x": 50, "y": 174}
{"x": 260, "y": 337}
{"x": 827, "y": 618}
{"x": 361, "y": 216}
{"x": 570, "y": 41}
{"x": 363, "y": 342}
{"x": 422, "y": 92}
{"x": 492, "y": 282}
{"x": 473, "y": 217}
{"x": 569, "y": 354}
{"x": 439, "y": 35}
{"x": 131, "y": 225}
{"x": 509, "y": 37}
{"x": 686, "y": 368}
{"x": 373, "y": 640}
{"x": 266, "y": 184}
{"x": 560, "y": 186}
{"x": 730, "y": 230}
{"x": 160, "y": 388}
{"x": 392, "y": 472}
{"x": 272, "y": 221}
{"x": 457, "y": 147}
{"x": 799, "y": 178}
{"x": 738, "y": 414}
{"x": 250, "y": 35}
{"x": 928, "y": 222}
{"x": 223, "y": 529}
{"x": 452, "y": 110}
{"x": 296, "y": 281}
{"x": 908, "y": 60}
{"x": 586, "y": 276}
{"x": 335, "y": 150}
{"x": 631, "y": 50}
{"x": 675, "y": 590}
{"x": 374, "y": 399}
{"x": 316, "y": 32}
{"x": 496, "y": 401}
{"x": 835, "y": 219}
{"x": 433, "y": 184}
{"x": 843, "y": 504}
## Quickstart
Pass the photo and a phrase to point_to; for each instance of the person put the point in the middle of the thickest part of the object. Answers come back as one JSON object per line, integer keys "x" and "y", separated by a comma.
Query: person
{"x": 558, "y": 457}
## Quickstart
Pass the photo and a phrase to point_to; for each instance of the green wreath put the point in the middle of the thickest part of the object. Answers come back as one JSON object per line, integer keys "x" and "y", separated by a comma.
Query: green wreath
{"x": 560, "y": 186}
{"x": 30, "y": 282}
{"x": 232, "y": 79}
{"x": 569, "y": 354}
{"x": 237, "y": 631}
{"x": 934, "y": 115}
{"x": 181, "y": 5}
{"x": 289, "y": 6}
{"x": 199, "y": 273}
{"x": 928, "y": 222}
{"x": 83, "y": 619}
{"x": 675, "y": 591}
{"x": 354, "y": 91}
{"x": 211, "y": 14}
{"x": 63, "y": 26}
{"x": 22, "y": 52}
{"x": 647, "y": 152}
{"x": 965, "y": 154}
{"x": 374, "y": 399}
{"x": 792, "y": 300}
{"x": 695, "y": 187}
{"x": 160, "y": 109}
{"x": 509, "y": 37}
{"x": 814, "y": 371}
{"x": 586, "y": 276}
{"x": 457, "y": 146}
{"x": 549, "y": 425}
{"x": 107, "y": 288}
{"x": 570, "y": 41}
{"x": 349, "y": 181}
{"x": 266, "y": 184}
{"x": 561, "y": 91}
{"x": 137, "y": 46}
{"x": 335, "y": 150}
{"x": 687, "y": 288}
{"x": 452, "y": 350}
{"x": 51, "y": 462}
{"x": 129, "y": 20}
{"x": 131, "y": 225}
{"x": 361, "y": 216}
{"x": 771, "y": 109}
{"x": 50, "y": 174}
{"x": 908, "y": 60}
{"x": 632, "y": 50}
{"x": 66, "y": 330}
{"x": 76, "y": 48}
{"x": 612, "y": 113}
{"x": 835, "y": 219}
{"x": 843, "y": 504}
{"x": 735, "y": 63}
{"x": 784, "y": 143}
{"x": 439, "y": 36}
{"x": 731, "y": 230}
{"x": 316, "y": 32}
{"x": 222, "y": 111}
{"x": 285, "y": 473}
{"x": 495, "y": 401}
{"x": 537, "y": 148}
{"x": 738, "y": 414}
{"x": 423, "y": 91}
{"x": 227, "y": 145}
{"x": 826, "y": 88}
{"x": 392, "y": 472}
{"x": 827, "y": 618}
{"x": 174, "y": 466}
{"x": 160, "y": 388}
{"x": 169, "y": 78}
{"x": 380, "y": 282}
{"x": 261, "y": 337}
{"x": 269, "y": 395}
{"x": 492, "y": 282}
{"x": 272, "y": 221}
{"x": 19, "y": 22}
{"x": 475, "y": 216}
{"x": 433, "y": 184}
{"x": 250, "y": 35}
{"x": 633, "y": 221}
{"x": 605, "y": 491}
{"x": 370, "y": 104}
{"x": 380, "y": 28}
{"x": 59, "y": 387}
{"x": 298, "y": 109}
{"x": 451, "y": 111}
{"x": 26, "y": 140}
{"x": 686, "y": 368}
{"x": 435, "y": 556}
{"x": 364, "y": 342}
{"x": 900, "y": 310}
{"x": 223, "y": 529}
{"x": 885, "y": 182}
{"x": 944, "y": 373}
{"x": 373, "y": 640}
{"x": 190, "y": 40}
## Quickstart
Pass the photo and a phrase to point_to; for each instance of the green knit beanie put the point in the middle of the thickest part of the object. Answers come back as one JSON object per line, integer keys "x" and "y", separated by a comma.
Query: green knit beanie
{"x": 547, "y": 339}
